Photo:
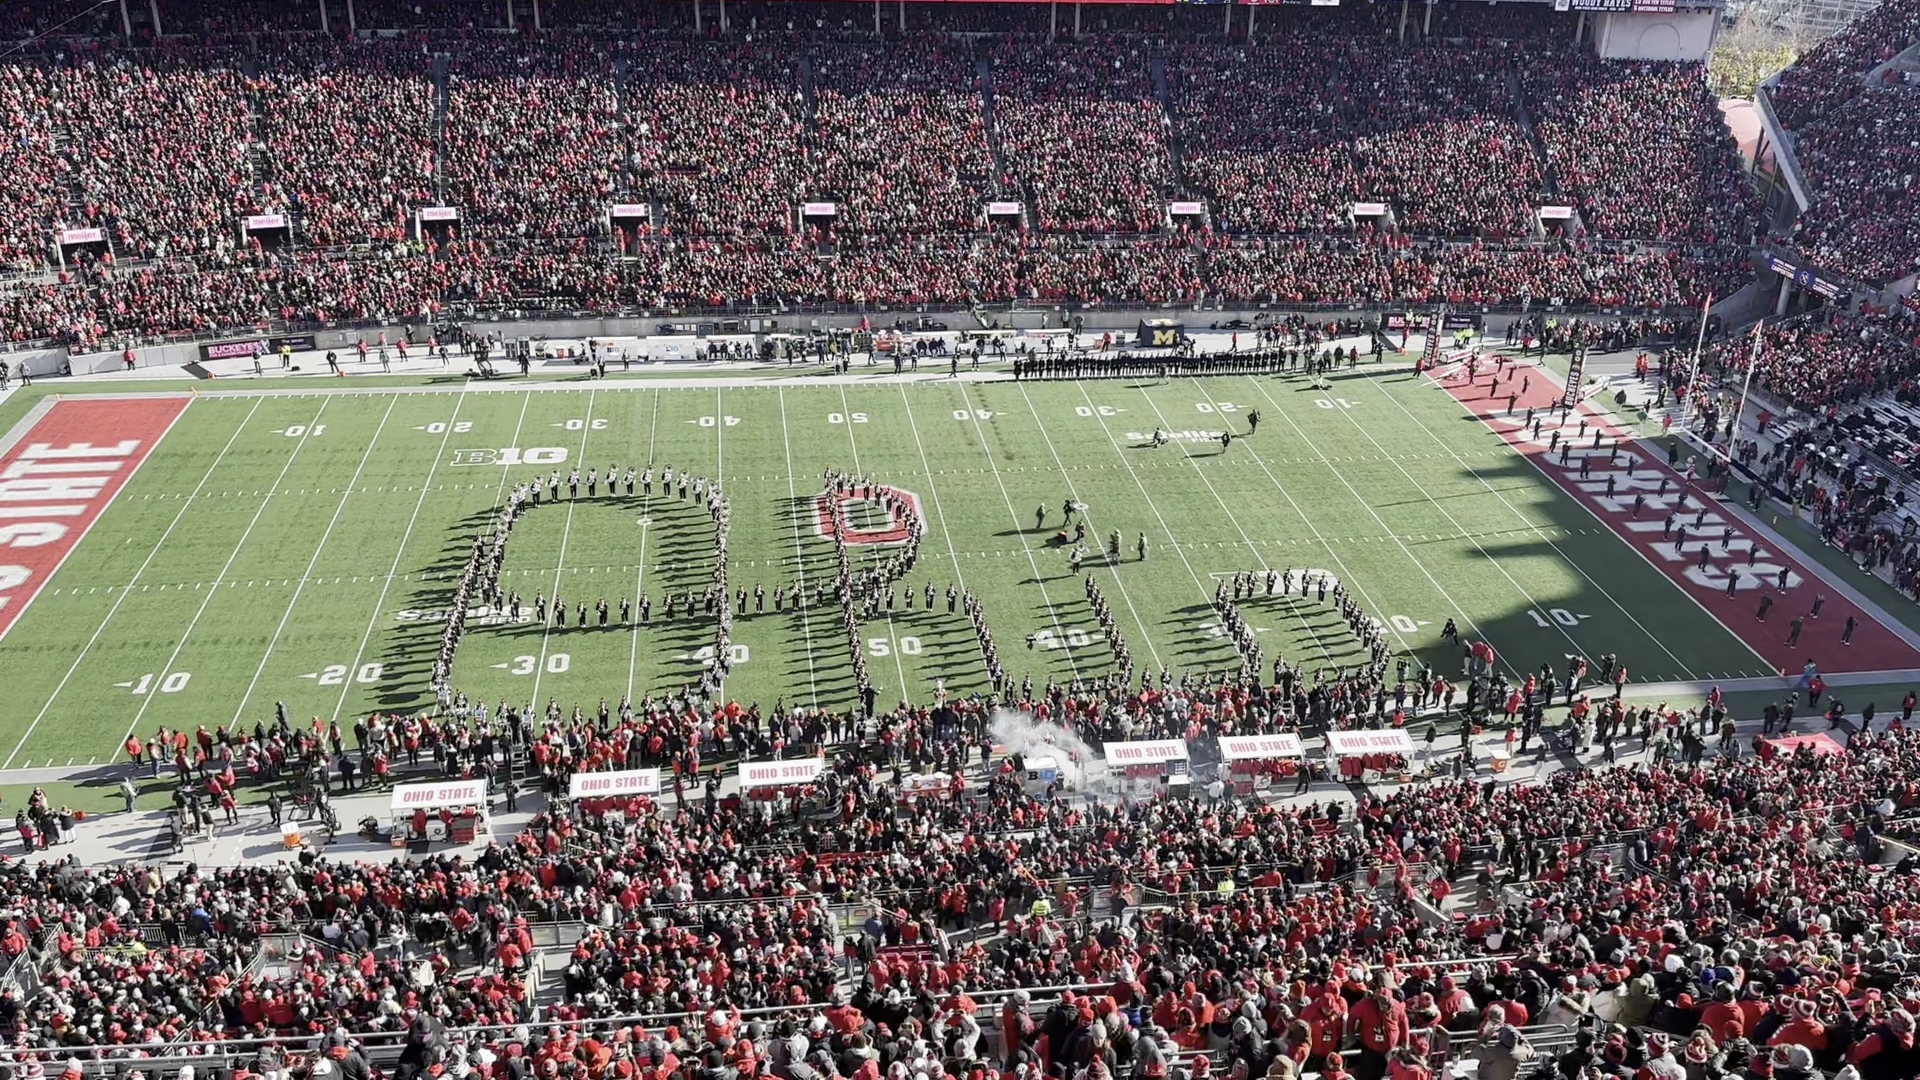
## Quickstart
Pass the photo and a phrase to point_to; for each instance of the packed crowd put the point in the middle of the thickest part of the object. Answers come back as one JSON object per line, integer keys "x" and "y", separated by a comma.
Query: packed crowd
{"x": 349, "y": 131}
{"x": 1641, "y": 149}
{"x": 1850, "y": 134}
{"x": 1259, "y": 133}
{"x": 1435, "y": 136}
{"x": 109, "y": 118}
{"x": 246, "y": 288}
{"x": 1082, "y": 128}
{"x": 1744, "y": 922}
{"x": 1824, "y": 360}
{"x": 345, "y": 138}
{"x": 546, "y": 116}
{"x": 685, "y": 102}
{"x": 898, "y": 135}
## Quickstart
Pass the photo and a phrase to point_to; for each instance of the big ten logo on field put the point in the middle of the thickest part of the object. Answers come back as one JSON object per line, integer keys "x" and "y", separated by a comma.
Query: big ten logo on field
{"x": 508, "y": 456}
{"x": 873, "y": 513}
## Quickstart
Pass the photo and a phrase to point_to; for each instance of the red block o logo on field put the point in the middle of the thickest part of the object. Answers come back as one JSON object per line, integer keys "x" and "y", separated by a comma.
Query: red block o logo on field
{"x": 853, "y": 503}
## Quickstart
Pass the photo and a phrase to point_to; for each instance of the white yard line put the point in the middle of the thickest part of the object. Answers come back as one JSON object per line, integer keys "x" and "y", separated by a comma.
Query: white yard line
{"x": 1019, "y": 530}
{"x": 566, "y": 534}
{"x": 318, "y": 550}
{"x": 131, "y": 582}
{"x": 893, "y": 639}
{"x": 719, "y": 477}
{"x": 506, "y": 471}
{"x": 933, "y": 493}
{"x": 1252, "y": 548}
{"x": 1346, "y": 575}
{"x": 1206, "y": 594}
{"x": 353, "y": 670}
{"x": 1538, "y": 531}
{"x": 799, "y": 551}
{"x": 1086, "y": 514}
{"x": 640, "y": 570}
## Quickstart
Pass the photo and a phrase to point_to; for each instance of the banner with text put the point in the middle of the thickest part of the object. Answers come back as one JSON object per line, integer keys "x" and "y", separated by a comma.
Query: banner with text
{"x": 1261, "y": 747}
{"x": 755, "y": 775}
{"x": 610, "y": 785}
{"x": 1361, "y": 743}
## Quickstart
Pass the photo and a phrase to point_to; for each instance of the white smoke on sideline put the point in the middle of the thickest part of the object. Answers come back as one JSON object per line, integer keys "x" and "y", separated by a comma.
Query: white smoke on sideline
{"x": 1081, "y": 767}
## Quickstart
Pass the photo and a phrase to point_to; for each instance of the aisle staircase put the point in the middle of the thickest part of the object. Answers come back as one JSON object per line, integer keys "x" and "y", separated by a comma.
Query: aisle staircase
{"x": 983, "y": 74}
{"x": 442, "y": 94}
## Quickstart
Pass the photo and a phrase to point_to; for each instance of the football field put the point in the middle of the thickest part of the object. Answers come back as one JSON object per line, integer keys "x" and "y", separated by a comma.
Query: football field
{"x": 300, "y": 546}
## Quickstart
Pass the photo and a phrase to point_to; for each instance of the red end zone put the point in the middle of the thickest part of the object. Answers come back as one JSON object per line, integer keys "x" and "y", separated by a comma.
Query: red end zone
{"x": 56, "y": 481}
{"x": 1609, "y": 490}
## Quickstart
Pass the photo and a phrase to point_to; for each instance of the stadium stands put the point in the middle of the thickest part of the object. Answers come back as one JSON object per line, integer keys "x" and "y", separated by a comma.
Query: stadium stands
{"x": 119, "y": 114}
{"x": 1641, "y": 149}
{"x": 900, "y": 135}
{"x": 685, "y": 101}
{"x": 1435, "y": 134}
{"x": 545, "y": 114}
{"x": 1813, "y": 364}
{"x": 1258, "y": 133}
{"x": 1852, "y": 136}
{"x": 348, "y": 131}
{"x": 531, "y": 139}
{"x": 1082, "y": 129}
{"x": 1709, "y": 912}
{"x": 1607, "y": 865}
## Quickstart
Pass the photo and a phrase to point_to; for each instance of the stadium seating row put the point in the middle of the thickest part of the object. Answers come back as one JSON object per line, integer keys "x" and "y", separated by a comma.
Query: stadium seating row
{"x": 541, "y": 137}
{"x": 1853, "y": 136}
{"x": 403, "y": 282}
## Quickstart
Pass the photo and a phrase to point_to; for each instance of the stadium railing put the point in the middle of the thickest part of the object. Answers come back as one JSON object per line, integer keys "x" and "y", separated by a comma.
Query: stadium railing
{"x": 383, "y": 1048}
{"x": 1783, "y": 152}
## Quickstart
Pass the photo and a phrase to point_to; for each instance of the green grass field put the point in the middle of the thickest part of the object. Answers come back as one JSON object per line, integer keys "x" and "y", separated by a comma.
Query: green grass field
{"x": 301, "y": 547}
